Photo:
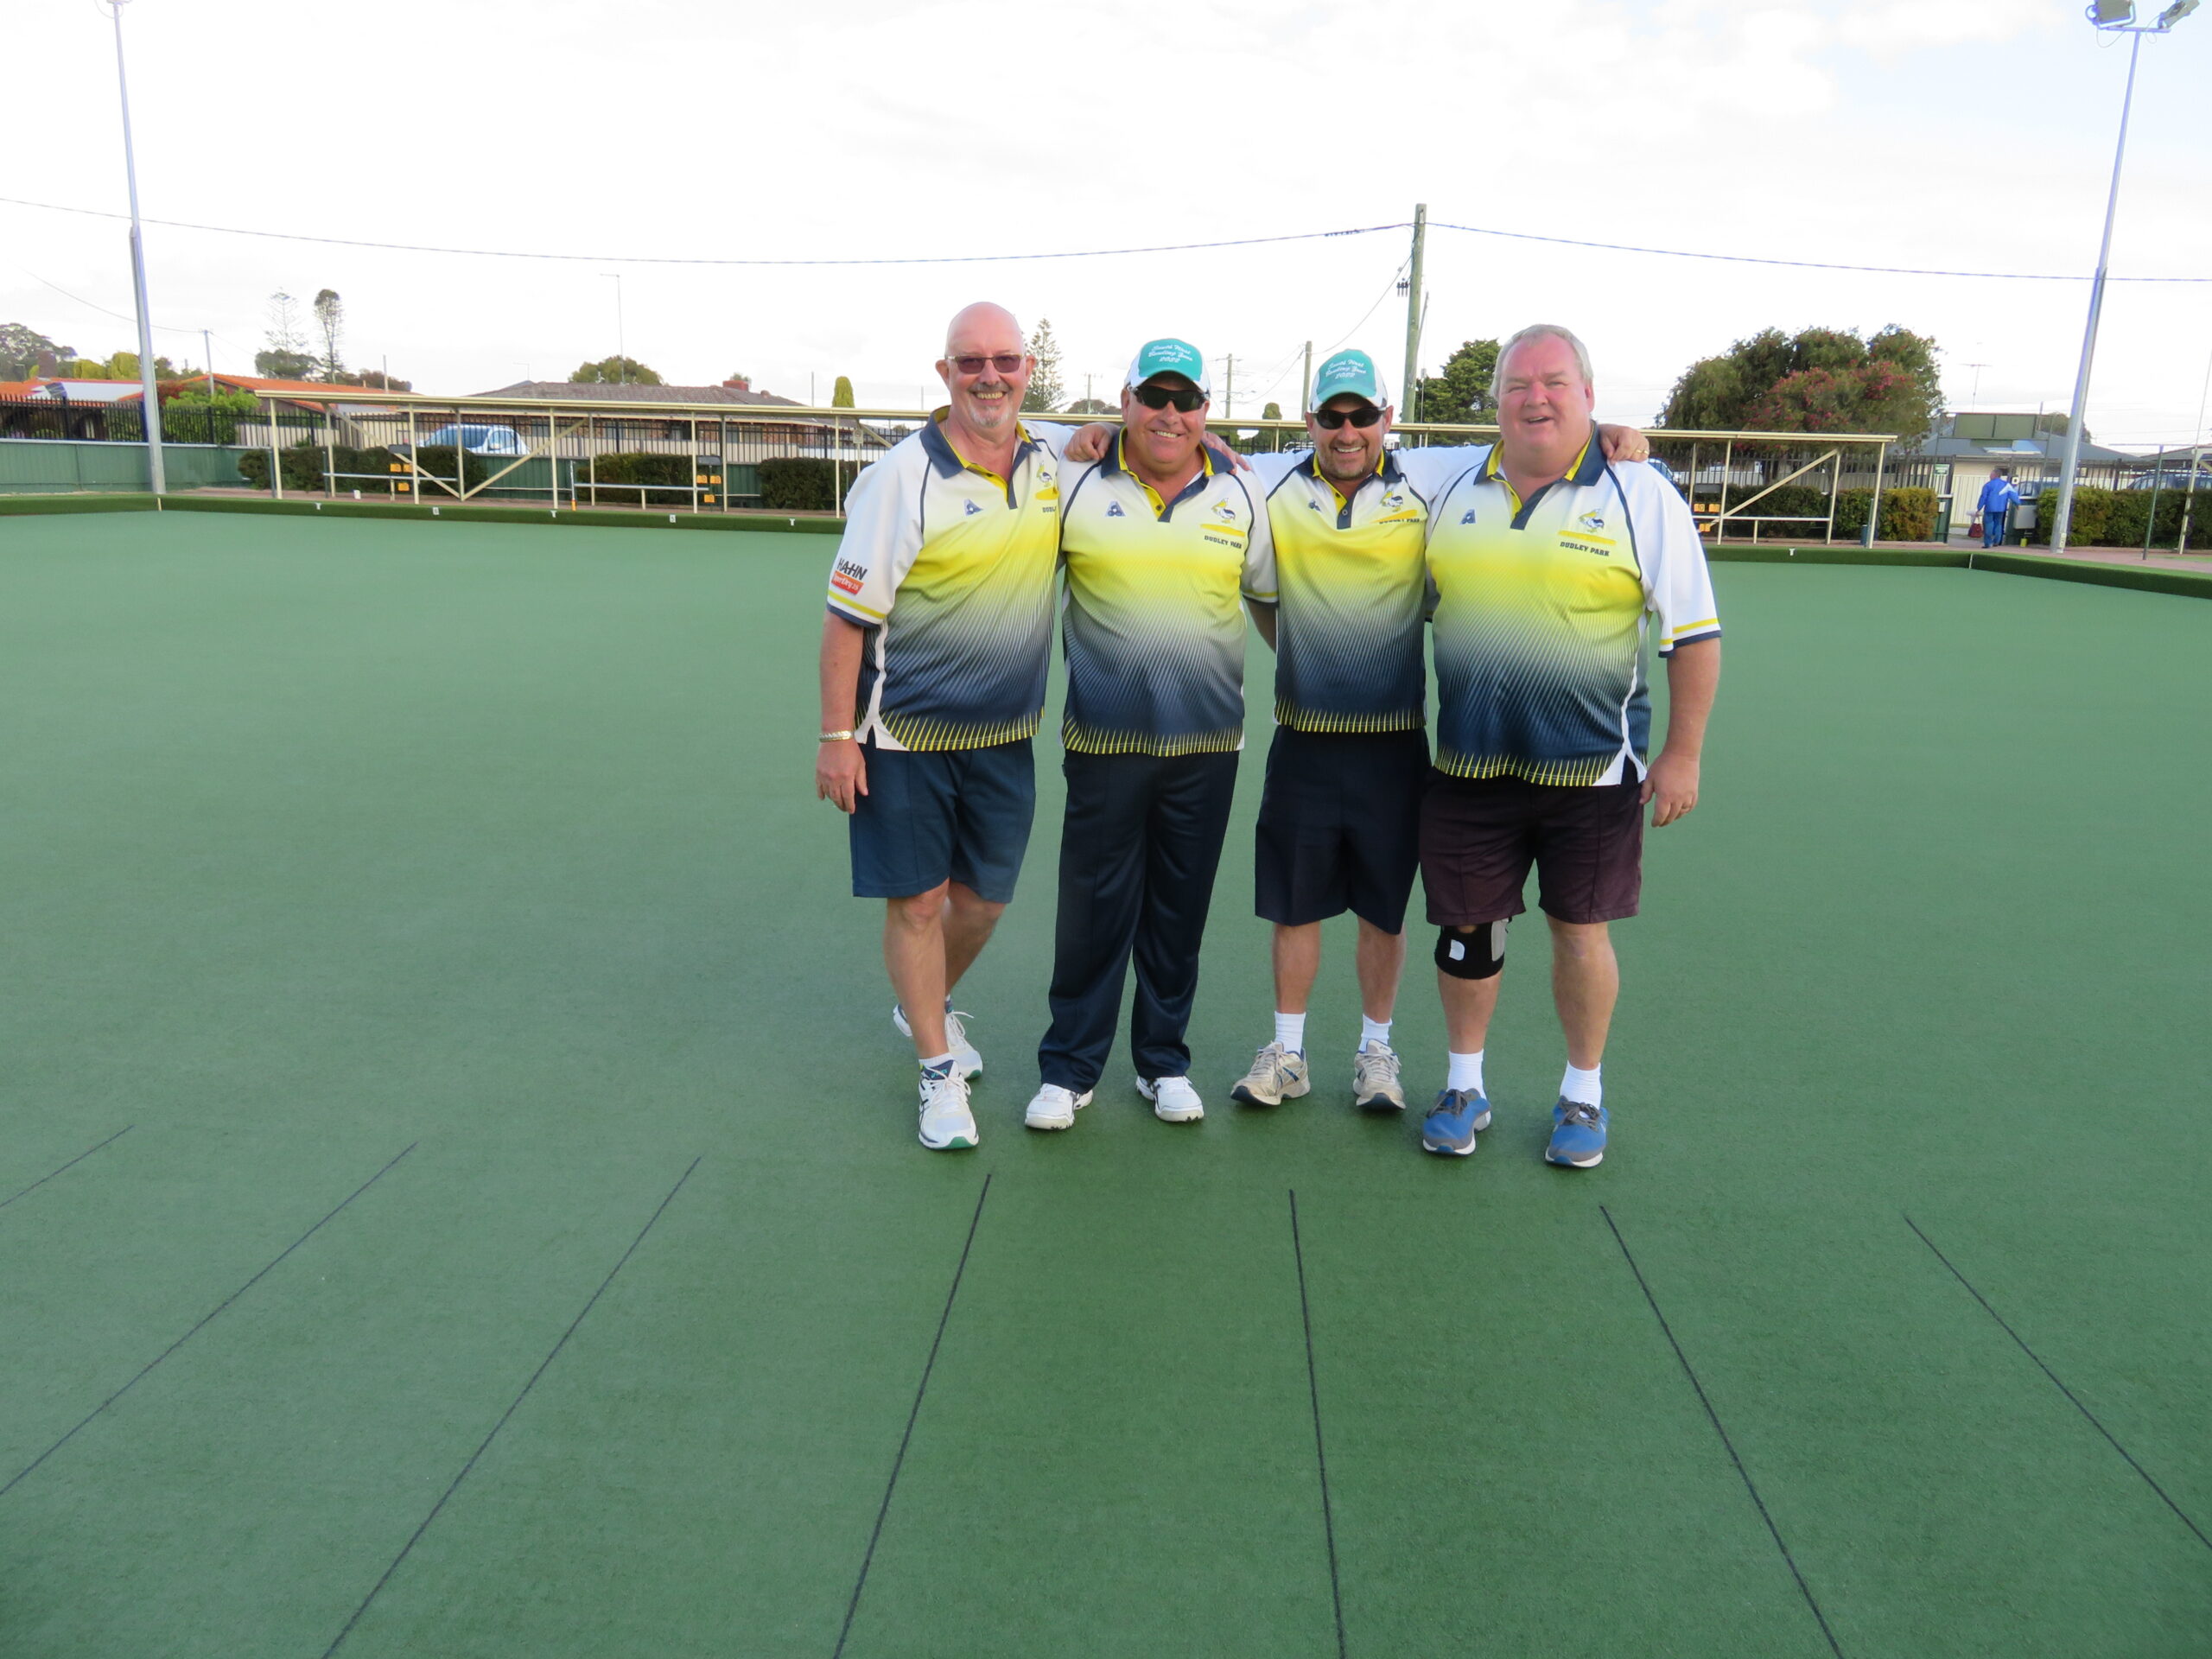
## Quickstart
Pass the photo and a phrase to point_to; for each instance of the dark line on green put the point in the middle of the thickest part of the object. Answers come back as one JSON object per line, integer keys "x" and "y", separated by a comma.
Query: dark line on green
{"x": 1773, "y": 1531}
{"x": 2073, "y": 1399}
{"x": 513, "y": 1406}
{"x": 1320, "y": 1450}
{"x": 205, "y": 1321}
{"x": 890, "y": 1486}
{"x": 72, "y": 1163}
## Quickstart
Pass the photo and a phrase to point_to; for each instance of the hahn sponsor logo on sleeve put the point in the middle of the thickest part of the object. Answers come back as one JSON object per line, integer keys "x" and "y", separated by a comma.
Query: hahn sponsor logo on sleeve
{"x": 847, "y": 577}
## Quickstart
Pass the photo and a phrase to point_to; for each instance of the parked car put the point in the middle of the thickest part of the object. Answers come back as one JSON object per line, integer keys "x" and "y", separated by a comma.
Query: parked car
{"x": 2175, "y": 479}
{"x": 1665, "y": 472}
{"x": 477, "y": 440}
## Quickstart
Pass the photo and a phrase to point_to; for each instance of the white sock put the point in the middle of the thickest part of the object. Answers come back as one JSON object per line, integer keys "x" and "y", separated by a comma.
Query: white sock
{"x": 944, "y": 1060}
{"x": 1583, "y": 1086}
{"x": 1464, "y": 1072}
{"x": 1290, "y": 1031}
{"x": 1374, "y": 1031}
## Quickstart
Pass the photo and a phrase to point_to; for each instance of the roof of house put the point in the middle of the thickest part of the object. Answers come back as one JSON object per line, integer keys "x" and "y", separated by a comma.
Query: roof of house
{"x": 606, "y": 392}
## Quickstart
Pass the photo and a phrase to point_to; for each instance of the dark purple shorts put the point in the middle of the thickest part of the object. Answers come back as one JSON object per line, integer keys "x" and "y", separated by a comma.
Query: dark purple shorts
{"x": 1479, "y": 837}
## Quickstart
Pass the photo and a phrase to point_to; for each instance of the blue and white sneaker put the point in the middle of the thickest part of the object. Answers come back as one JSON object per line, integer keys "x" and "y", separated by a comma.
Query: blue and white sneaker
{"x": 1451, "y": 1124}
{"x": 1577, "y": 1134}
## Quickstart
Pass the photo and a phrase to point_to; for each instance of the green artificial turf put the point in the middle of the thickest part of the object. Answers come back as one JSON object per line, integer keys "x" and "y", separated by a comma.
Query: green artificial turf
{"x": 424, "y": 922}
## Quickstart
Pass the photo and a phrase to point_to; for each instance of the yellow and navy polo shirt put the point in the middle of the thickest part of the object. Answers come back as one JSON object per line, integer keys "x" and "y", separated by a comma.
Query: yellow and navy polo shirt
{"x": 1540, "y": 608}
{"x": 1154, "y": 630}
{"x": 1354, "y": 584}
{"x": 949, "y": 567}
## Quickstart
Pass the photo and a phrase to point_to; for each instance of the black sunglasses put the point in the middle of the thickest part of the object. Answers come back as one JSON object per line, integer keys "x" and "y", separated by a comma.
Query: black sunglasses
{"x": 1004, "y": 362}
{"x": 1330, "y": 419}
{"x": 1185, "y": 398}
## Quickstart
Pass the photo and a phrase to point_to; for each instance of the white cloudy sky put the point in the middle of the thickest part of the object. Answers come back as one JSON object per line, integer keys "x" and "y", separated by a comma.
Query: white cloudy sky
{"x": 1957, "y": 134}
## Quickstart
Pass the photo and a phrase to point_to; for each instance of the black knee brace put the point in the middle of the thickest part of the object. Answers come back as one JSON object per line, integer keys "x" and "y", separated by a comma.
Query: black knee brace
{"x": 1478, "y": 955}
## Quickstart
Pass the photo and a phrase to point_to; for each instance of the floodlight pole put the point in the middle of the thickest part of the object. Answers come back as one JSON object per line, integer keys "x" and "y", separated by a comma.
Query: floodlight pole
{"x": 2062, "y": 519}
{"x": 156, "y": 475}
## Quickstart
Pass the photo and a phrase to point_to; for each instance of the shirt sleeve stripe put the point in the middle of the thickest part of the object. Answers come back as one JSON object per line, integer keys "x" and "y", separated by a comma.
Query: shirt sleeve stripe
{"x": 857, "y": 611}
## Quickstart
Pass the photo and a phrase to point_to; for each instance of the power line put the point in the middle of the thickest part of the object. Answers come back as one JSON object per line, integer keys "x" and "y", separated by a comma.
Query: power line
{"x": 1799, "y": 264}
{"x": 656, "y": 259}
{"x": 1103, "y": 253}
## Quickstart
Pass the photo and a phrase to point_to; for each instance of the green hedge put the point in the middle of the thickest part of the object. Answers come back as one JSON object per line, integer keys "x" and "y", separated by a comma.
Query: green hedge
{"x": 2118, "y": 519}
{"x": 637, "y": 466}
{"x": 303, "y": 468}
{"x": 1908, "y": 514}
{"x": 801, "y": 484}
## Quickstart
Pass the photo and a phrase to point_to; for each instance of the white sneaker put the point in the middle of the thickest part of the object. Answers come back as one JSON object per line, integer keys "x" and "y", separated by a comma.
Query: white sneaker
{"x": 1375, "y": 1085}
{"x": 1174, "y": 1100}
{"x": 965, "y": 1060}
{"x": 1054, "y": 1107}
{"x": 947, "y": 1124}
{"x": 1276, "y": 1075}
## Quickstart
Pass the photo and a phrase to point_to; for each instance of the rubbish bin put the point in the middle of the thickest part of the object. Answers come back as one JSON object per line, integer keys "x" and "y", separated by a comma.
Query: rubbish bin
{"x": 1943, "y": 518}
{"x": 2025, "y": 519}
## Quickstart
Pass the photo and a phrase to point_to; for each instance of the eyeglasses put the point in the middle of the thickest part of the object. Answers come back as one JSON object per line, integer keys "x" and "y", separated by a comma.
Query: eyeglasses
{"x": 1004, "y": 362}
{"x": 1329, "y": 420}
{"x": 1185, "y": 398}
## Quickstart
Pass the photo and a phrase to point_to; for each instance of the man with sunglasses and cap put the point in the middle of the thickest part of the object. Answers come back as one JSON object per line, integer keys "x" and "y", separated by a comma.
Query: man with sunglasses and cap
{"x": 1162, "y": 549}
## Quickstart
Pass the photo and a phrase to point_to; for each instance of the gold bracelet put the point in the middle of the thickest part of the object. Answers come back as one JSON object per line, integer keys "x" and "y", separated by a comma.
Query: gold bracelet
{"x": 837, "y": 737}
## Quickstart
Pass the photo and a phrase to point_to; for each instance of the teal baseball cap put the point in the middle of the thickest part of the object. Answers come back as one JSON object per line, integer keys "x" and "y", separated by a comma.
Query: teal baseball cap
{"x": 1351, "y": 373}
{"x": 1169, "y": 357}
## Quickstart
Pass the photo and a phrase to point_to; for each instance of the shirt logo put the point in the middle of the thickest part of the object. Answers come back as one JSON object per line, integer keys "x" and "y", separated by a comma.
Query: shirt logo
{"x": 1113, "y": 511}
{"x": 1468, "y": 516}
{"x": 1394, "y": 499}
{"x": 1591, "y": 521}
{"x": 973, "y": 509}
{"x": 1223, "y": 511}
{"x": 848, "y": 576}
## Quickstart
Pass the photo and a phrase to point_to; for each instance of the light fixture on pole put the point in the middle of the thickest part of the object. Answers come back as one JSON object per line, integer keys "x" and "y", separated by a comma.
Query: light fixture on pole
{"x": 156, "y": 475}
{"x": 2117, "y": 17}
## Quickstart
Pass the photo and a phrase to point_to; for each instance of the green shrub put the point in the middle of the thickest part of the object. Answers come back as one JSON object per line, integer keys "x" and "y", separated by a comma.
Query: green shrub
{"x": 802, "y": 483}
{"x": 634, "y": 467}
{"x": 2118, "y": 519}
{"x": 1908, "y": 514}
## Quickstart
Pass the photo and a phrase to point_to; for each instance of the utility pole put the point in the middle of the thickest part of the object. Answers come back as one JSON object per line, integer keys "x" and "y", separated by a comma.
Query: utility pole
{"x": 1305, "y": 386}
{"x": 207, "y": 355}
{"x": 156, "y": 475}
{"x": 1229, "y": 391}
{"x": 1414, "y": 311}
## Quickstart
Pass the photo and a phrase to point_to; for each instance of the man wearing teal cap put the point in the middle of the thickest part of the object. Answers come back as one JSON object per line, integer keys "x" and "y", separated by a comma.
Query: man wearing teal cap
{"x": 1159, "y": 545}
{"x": 1340, "y": 820}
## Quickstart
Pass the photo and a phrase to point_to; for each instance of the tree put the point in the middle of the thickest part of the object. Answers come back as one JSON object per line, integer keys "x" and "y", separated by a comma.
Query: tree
{"x": 287, "y": 357}
{"x": 1046, "y": 392}
{"x": 1091, "y": 406}
{"x": 330, "y": 328}
{"x": 1460, "y": 392}
{"x": 1272, "y": 412}
{"x": 23, "y": 348}
{"x": 611, "y": 371}
{"x": 840, "y": 395}
{"x": 1817, "y": 380}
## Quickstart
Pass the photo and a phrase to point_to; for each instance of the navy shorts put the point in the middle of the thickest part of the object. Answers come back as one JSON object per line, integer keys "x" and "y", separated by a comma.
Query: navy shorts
{"x": 1479, "y": 837}
{"x": 1340, "y": 826}
{"x": 952, "y": 815}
